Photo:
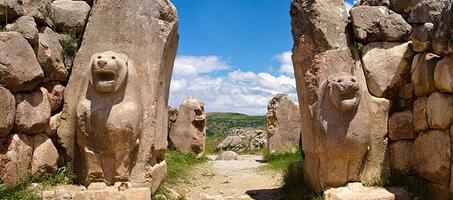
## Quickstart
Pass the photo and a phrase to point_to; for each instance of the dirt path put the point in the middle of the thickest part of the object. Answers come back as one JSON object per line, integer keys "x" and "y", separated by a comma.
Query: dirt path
{"x": 229, "y": 180}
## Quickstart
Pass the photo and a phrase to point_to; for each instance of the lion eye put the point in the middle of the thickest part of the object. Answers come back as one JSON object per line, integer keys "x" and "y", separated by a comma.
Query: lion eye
{"x": 113, "y": 57}
{"x": 340, "y": 80}
{"x": 353, "y": 80}
{"x": 99, "y": 57}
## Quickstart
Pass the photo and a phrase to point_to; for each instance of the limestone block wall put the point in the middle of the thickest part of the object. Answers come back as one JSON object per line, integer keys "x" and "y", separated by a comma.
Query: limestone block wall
{"x": 38, "y": 42}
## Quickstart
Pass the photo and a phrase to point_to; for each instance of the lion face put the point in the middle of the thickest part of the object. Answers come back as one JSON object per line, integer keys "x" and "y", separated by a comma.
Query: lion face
{"x": 109, "y": 70}
{"x": 344, "y": 91}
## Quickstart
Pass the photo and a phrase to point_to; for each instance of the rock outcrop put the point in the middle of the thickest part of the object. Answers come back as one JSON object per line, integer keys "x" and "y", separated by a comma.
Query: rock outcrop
{"x": 139, "y": 53}
{"x": 188, "y": 133}
{"x": 239, "y": 140}
{"x": 282, "y": 125}
{"x": 70, "y": 16}
{"x": 7, "y": 111}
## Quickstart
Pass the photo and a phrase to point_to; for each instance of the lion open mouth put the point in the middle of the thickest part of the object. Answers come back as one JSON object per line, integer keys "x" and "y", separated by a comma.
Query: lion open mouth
{"x": 105, "y": 79}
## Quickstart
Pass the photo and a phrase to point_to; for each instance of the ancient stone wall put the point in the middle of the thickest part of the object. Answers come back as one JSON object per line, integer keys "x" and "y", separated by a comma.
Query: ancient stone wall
{"x": 35, "y": 64}
{"x": 401, "y": 53}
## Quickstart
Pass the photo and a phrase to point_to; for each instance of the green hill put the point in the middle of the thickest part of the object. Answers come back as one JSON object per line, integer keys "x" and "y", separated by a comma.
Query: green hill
{"x": 222, "y": 123}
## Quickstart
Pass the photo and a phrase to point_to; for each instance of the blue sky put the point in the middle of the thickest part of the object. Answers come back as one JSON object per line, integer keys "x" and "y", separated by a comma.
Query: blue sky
{"x": 233, "y": 54}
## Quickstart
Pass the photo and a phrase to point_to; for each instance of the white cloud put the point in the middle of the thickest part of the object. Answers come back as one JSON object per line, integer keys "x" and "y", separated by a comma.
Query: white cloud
{"x": 349, "y": 5}
{"x": 286, "y": 63}
{"x": 237, "y": 91}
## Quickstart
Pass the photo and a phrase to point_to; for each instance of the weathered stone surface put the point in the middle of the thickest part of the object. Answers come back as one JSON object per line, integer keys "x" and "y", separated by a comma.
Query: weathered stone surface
{"x": 10, "y": 10}
{"x": 172, "y": 116}
{"x": 32, "y": 112}
{"x": 321, "y": 56}
{"x": 118, "y": 192}
{"x": 384, "y": 64}
{"x": 403, "y": 6}
{"x": 440, "y": 111}
{"x": 41, "y": 10}
{"x": 55, "y": 95}
{"x": 50, "y": 56}
{"x": 356, "y": 191}
{"x": 420, "y": 116}
{"x": 188, "y": 133}
{"x": 45, "y": 156}
{"x": 437, "y": 191}
{"x": 431, "y": 156}
{"x": 400, "y": 152}
{"x": 375, "y": 2}
{"x": 27, "y": 26}
{"x": 70, "y": 16}
{"x": 227, "y": 155}
{"x": 239, "y": 140}
{"x": 443, "y": 37}
{"x": 282, "y": 124}
{"x": 145, "y": 31}
{"x": 422, "y": 73}
{"x": 401, "y": 126}
{"x": 421, "y": 37}
{"x": 443, "y": 75}
{"x": 7, "y": 111}
{"x": 378, "y": 24}
{"x": 19, "y": 69}
{"x": 426, "y": 11}
{"x": 15, "y": 159}
{"x": 54, "y": 123}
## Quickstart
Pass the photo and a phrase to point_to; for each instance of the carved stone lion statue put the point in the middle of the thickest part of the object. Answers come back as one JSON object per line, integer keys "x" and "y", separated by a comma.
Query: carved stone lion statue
{"x": 342, "y": 138}
{"x": 109, "y": 117}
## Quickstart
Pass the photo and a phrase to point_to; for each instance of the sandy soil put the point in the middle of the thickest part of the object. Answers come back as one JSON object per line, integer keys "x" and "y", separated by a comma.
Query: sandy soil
{"x": 238, "y": 179}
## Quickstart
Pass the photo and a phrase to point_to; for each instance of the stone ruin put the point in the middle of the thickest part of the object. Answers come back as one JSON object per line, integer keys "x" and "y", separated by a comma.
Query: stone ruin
{"x": 111, "y": 125}
{"x": 282, "y": 125}
{"x": 188, "y": 131}
{"x": 375, "y": 91}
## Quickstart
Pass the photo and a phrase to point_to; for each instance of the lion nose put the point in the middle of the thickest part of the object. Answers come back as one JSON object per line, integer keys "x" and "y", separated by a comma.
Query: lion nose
{"x": 101, "y": 63}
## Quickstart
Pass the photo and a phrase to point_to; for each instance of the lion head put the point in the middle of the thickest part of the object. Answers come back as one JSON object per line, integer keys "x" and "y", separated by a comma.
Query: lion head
{"x": 108, "y": 71}
{"x": 344, "y": 91}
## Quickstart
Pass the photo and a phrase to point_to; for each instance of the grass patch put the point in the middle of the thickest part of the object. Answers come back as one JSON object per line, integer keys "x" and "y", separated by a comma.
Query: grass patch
{"x": 178, "y": 166}
{"x": 64, "y": 175}
{"x": 222, "y": 123}
{"x": 279, "y": 162}
{"x": 212, "y": 142}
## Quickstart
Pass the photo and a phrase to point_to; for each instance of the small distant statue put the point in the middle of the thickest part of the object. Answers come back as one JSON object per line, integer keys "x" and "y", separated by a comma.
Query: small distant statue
{"x": 109, "y": 116}
{"x": 343, "y": 137}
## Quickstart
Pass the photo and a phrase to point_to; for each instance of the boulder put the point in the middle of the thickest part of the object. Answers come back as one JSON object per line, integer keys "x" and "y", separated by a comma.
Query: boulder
{"x": 385, "y": 64}
{"x": 50, "y": 56}
{"x": 375, "y": 2}
{"x": 401, "y": 126}
{"x": 426, "y": 11}
{"x": 70, "y": 16}
{"x": 41, "y": 10}
{"x": 420, "y": 117}
{"x": 282, "y": 124}
{"x": 378, "y": 24}
{"x": 443, "y": 75}
{"x": 227, "y": 155}
{"x": 55, "y": 95}
{"x": 188, "y": 133}
{"x": 15, "y": 159}
{"x": 19, "y": 69}
{"x": 239, "y": 140}
{"x": 10, "y": 10}
{"x": 440, "y": 111}
{"x": 430, "y": 156}
{"x": 172, "y": 116}
{"x": 32, "y": 112}
{"x": 421, "y": 37}
{"x": 422, "y": 73}
{"x": 27, "y": 26}
{"x": 442, "y": 41}
{"x": 7, "y": 111}
{"x": 54, "y": 123}
{"x": 356, "y": 191}
{"x": 45, "y": 156}
{"x": 137, "y": 39}
{"x": 403, "y": 6}
{"x": 400, "y": 160}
